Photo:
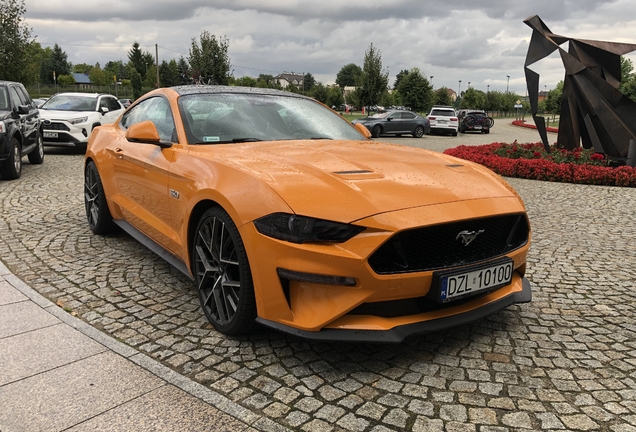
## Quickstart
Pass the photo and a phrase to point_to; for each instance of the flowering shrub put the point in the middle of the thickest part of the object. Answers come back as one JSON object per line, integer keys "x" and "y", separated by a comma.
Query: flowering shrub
{"x": 531, "y": 161}
{"x": 523, "y": 123}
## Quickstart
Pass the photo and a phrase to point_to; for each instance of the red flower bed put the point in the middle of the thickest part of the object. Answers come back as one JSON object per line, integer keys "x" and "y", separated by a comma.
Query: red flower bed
{"x": 531, "y": 161}
{"x": 522, "y": 123}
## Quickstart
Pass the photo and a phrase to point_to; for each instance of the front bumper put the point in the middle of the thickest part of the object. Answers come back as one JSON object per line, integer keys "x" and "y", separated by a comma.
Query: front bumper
{"x": 399, "y": 333}
{"x": 65, "y": 134}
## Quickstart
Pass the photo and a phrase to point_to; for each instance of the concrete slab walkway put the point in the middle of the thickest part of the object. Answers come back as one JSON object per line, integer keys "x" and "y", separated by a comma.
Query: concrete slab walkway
{"x": 58, "y": 373}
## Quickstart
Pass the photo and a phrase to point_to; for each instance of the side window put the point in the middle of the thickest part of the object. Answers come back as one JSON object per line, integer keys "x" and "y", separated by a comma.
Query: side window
{"x": 408, "y": 115}
{"x": 24, "y": 96}
{"x": 15, "y": 97}
{"x": 4, "y": 98}
{"x": 157, "y": 110}
{"x": 103, "y": 103}
{"x": 113, "y": 105}
{"x": 396, "y": 115}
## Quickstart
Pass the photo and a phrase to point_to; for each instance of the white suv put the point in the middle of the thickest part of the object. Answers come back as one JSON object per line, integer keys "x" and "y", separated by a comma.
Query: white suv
{"x": 443, "y": 119}
{"x": 69, "y": 118}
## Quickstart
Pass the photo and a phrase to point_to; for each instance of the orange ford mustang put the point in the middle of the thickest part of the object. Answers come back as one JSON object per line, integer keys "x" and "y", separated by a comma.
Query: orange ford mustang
{"x": 284, "y": 214}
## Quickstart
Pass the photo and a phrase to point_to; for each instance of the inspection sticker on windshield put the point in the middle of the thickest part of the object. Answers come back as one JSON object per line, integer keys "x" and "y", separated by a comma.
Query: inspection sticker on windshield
{"x": 211, "y": 138}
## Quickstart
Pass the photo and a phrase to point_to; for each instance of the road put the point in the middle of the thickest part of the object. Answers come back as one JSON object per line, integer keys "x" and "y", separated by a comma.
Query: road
{"x": 565, "y": 361}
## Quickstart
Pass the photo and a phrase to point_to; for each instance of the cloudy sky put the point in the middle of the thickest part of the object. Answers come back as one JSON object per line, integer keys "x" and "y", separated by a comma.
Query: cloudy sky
{"x": 451, "y": 40}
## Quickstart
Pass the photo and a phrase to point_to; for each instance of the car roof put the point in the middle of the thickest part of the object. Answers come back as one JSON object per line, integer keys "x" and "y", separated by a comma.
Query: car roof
{"x": 208, "y": 89}
{"x": 82, "y": 94}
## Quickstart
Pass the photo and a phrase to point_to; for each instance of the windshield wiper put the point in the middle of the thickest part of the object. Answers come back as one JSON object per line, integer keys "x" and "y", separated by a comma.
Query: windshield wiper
{"x": 240, "y": 140}
{"x": 321, "y": 138}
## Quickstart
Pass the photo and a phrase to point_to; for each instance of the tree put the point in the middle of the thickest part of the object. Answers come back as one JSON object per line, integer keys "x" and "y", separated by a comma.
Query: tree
{"x": 374, "y": 79}
{"x": 82, "y": 68}
{"x": 553, "y": 99}
{"x": 98, "y": 77}
{"x": 210, "y": 60}
{"x": 319, "y": 92}
{"x": 267, "y": 81}
{"x": 136, "y": 59}
{"x": 169, "y": 73}
{"x": 474, "y": 99}
{"x": 115, "y": 69}
{"x": 335, "y": 97}
{"x": 349, "y": 75}
{"x": 15, "y": 38}
{"x": 441, "y": 97}
{"x": 401, "y": 74}
{"x": 66, "y": 80}
{"x": 309, "y": 82}
{"x": 54, "y": 61}
{"x": 244, "y": 81}
{"x": 151, "y": 77}
{"x": 416, "y": 91}
{"x": 136, "y": 83}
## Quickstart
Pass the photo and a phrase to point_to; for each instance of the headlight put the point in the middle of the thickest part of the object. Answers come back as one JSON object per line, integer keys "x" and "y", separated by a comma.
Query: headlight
{"x": 301, "y": 229}
{"x": 78, "y": 120}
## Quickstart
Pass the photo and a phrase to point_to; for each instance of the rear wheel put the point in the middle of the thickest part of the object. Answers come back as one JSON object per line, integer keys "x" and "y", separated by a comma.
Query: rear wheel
{"x": 36, "y": 157}
{"x": 418, "y": 132}
{"x": 454, "y": 133}
{"x": 12, "y": 167}
{"x": 222, "y": 274}
{"x": 376, "y": 131}
{"x": 99, "y": 219}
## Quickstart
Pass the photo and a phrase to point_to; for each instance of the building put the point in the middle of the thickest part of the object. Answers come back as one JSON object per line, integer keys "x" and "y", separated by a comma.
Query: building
{"x": 82, "y": 81}
{"x": 287, "y": 78}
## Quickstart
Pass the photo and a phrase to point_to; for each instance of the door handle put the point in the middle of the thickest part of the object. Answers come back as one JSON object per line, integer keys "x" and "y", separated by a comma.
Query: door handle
{"x": 119, "y": 152}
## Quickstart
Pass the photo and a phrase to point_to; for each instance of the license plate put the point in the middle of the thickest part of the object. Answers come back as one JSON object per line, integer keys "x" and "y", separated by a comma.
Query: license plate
{"x": 442, "y": 121}
{"x": 477, "y": 127}
{"x": 463, "y": 283}
{"x": 50, "y": 134}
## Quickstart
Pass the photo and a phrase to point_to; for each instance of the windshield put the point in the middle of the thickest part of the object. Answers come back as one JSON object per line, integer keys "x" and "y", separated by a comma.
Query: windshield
{"x": 225, "y": 118}
{"x": 443, "y": 113}
{"x": 71, "y": 103}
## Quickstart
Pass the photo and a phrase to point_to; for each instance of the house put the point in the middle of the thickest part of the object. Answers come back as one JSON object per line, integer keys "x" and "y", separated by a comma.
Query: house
{"x": 287, "y": 78}
{"x": 82, "y": 81}
{"x": 452, "y": 94}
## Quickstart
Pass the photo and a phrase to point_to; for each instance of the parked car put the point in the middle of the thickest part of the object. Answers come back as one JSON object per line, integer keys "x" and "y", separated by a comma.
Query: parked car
{"x": 286, "y": 215}
{"x": 474, "y": 120}
{"x": 443, "y": 119}
{"x": 125, "y": 102}
{"x": 20, "y": 130}
{"x": 395, "y": 123}
{"x": 69, "y": 118}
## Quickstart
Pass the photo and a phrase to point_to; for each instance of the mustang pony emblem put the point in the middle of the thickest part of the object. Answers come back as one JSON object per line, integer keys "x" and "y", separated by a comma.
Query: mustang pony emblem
{"x": 467, "y": 237}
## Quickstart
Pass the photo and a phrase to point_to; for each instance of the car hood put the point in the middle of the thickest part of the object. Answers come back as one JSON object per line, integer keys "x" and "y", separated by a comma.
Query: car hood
{"x": 348, "y": 180}
{"x": 4, "y": 115}
{"x": 64, "y": 115}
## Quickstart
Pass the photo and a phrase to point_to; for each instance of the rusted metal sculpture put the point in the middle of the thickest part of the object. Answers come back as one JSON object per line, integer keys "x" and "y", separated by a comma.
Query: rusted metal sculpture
{"x": 593, "y": 112}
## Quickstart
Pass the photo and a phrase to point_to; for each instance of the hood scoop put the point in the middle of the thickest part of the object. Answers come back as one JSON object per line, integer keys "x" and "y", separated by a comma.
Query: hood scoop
{"x": 360, "y": 174}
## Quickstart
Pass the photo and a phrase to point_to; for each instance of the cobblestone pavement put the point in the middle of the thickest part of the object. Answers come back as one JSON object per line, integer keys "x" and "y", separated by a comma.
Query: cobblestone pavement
{"x": 566, "y": 361}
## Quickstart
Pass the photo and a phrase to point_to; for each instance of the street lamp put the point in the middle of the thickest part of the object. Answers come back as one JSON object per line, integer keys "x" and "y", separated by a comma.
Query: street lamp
{"x": 431, "y": 80}
{"x": 468, "y": 84}
{"x": 459, "y": 91}
{"x": 508, "y": 83}
{"x": 488, "y": 88}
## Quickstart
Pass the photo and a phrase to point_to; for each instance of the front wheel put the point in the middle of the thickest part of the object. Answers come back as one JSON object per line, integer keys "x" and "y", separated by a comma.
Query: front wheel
{"x": 36, "y": 157}
{"x": 99, "y": 218}
{"x": 419, "y": 132}
{"x": 222, "y": 274}
{"x": 12, "y": 167}
{"x": 376, "y": 131}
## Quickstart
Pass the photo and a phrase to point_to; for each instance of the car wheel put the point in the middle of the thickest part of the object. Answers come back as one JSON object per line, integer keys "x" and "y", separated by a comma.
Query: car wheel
{"x": 487, "y": 131}
{"x": 376, "y": 131}
{"x": 418, "y": 132}
{"x": 36, "y": 157}
{"x": 222, "y": 274}
{"x": 99, "y": 219}
{"x": 455, "y": 133}
{"x": 12, "y": 166}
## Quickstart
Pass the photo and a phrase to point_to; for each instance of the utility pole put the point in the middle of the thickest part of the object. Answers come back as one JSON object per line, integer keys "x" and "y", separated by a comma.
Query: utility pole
{"x": 157, "y": 63}
{"x": 508, "y": 83}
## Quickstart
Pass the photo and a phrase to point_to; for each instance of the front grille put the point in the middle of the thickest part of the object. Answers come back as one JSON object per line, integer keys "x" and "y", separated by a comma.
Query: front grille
{"x": 437, "y": 246}
{"x": 56, "y": 126}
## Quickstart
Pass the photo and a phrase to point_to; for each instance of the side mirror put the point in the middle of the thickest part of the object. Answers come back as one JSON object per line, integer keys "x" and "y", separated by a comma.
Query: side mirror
{"x": 103, "y": 110}
{"x": 145, "y": 132}
{"x": 23, "y": 109}
{"x": 363, "y": 130}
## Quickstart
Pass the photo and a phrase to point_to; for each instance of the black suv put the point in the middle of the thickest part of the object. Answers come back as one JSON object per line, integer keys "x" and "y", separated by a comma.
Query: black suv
{"x": 20, "y": 130}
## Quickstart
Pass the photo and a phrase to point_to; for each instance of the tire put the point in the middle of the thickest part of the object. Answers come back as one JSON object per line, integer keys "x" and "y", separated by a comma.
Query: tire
{"x": 222, "y": 274}
{"x": 487, "y": 131}
{"x": 376, "y": 131}
{"x": 418, "y": 132}
{"x": 12, "y": 167}
{"x": 36, "y": 157}
{"x": 454, "y": 133}
{"x": 99, "y": 218}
